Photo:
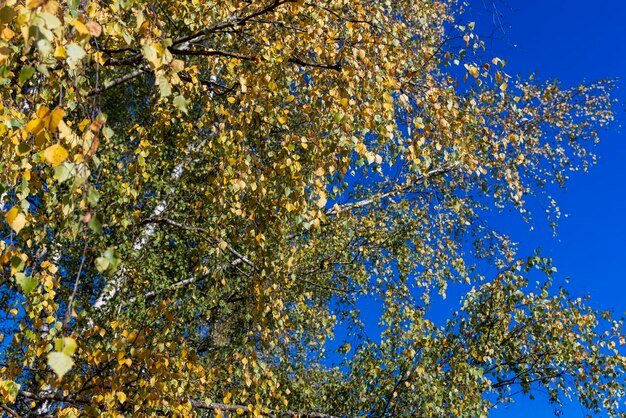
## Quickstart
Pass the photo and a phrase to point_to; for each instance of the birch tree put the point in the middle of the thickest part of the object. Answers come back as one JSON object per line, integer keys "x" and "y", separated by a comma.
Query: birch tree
{"x": 198, "y": 195}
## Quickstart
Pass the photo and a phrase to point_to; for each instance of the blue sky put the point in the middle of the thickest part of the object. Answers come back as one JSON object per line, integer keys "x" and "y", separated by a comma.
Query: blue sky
{"x": 573, "y": 41}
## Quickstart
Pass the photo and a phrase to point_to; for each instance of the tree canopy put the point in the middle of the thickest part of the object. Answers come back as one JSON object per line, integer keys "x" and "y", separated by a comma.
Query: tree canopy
{"x": 199, "y": 196}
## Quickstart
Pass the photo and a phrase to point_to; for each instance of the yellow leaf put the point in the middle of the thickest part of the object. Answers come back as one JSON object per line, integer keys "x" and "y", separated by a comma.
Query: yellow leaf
{"x": 64, "y": 130}
{"x": 33, "y": 4}
{"x": 59, "y": 52}
{"x": 55, "y": 117}
{"x": 34, "y": 126}
{"x": 322, "y": 200}
{"x": 69, "y": 346}
{"x": 55, "y": 154}
{"x": 121, "y": 396}
{"x": 15, "y": 219}
{"x": 43, "y": 111}
{"x": 80, "y": 27}
{"x": 472, "y": 70}
{"x": 83, "y": 124}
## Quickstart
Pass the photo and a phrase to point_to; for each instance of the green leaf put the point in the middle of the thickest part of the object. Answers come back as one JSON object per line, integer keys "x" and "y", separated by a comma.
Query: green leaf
{"x": 27, "y": 283}
{"x": 164, "y": 86}
{"x": 108, "y": 132}
{"x": 66, "y": 345}
{"x": 23, "y": 149}
{"x": 25, "y": 73}
{"x": 93, "y": 196}
{"x": 150, "y": 53}
{"x": 181, "y": 103}
{"x": 52, "y": 22}
{"x": 61, "y": 363}
{"x": 63, "y": 172}
{"x": 102, "y": 264}
{"x": 108, "y": 261}
{"x": 112, "y": 257}
{"x": 17, "y": 263}
{"x": 95, "y": 223}
{"x": 73, "y": 6}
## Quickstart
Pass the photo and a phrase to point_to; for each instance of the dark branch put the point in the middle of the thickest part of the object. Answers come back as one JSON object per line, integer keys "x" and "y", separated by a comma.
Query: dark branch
{"x": 296, "y": 60}
{"x": 211, "y": 53}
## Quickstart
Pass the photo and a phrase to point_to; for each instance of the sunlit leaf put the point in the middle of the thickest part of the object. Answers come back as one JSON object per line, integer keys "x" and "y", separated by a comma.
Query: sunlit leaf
{"x": 55, "y": 154}
{"x": 61, "y": 363}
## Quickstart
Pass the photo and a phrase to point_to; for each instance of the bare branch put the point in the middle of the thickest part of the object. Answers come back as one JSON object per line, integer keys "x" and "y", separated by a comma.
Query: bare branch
{"x": 118, "y": 81}
{"x": 404, "y": 189}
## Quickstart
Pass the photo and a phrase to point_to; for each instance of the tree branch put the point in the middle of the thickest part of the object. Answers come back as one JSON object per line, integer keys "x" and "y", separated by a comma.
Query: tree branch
{"x": 230, "y": 23}
{"x": 9, "y": 411}
{"x": 404, "y": 189}
{"x": 270, "y": 412}
{"x": 206, "y": 233}
{"x": 68, "y": 313}
{"x": 296, "y": 60}
{"x": 117, "y": 82}
{"x": 211, "y": 53}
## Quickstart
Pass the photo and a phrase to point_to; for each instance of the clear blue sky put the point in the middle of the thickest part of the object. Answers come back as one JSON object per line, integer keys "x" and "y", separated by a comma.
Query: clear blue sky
{"x": 573, "y": 41}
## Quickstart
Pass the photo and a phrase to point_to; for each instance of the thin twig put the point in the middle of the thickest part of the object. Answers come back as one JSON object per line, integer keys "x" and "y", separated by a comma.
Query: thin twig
{"x": 9, "y": 411}
{"x": 68, "y": 313}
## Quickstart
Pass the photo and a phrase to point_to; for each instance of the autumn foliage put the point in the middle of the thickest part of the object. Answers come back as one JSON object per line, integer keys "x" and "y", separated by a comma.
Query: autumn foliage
{"x": 199, "y": 195}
